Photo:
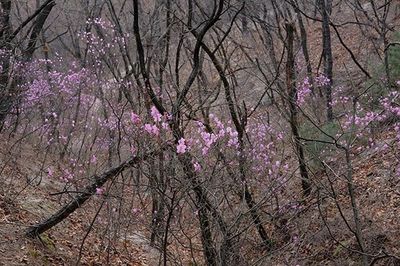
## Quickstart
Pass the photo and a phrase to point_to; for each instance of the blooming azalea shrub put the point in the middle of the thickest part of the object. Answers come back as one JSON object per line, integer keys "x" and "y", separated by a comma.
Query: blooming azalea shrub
{"x": 354, "y": 127}
{"x": 304, "y": 88}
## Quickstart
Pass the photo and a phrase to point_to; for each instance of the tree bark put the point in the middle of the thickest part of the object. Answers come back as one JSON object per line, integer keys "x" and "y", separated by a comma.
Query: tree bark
{"x": 304, "y": 47}
{"x": 5, "y": 31}
{"x": 327, "y": 55}
{"x": 292, "y": 91}
{"x": 37, "y": 28}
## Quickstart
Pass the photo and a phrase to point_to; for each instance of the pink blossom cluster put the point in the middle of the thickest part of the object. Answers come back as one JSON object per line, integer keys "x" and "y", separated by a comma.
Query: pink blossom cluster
{"x": 304, "y": 87}
{"x": 181, "y": 147}
{"x": 100, "y": 45}
{"x": 197, "y": 166}
{"x": 160, "y": 122}
{"x": 155, "y": 114}
{"x": 151, "y": 129}
{"x": 339, "y": 97}
{"x": 135, "y": 118}
{"x": 264, "y": 151}
{"x": 38, "y": 90}
{"x": 67, "y": 176}
{"x": 321, "y": 80}
{"x": 101, "y": 22}
{"x": 359, "y": 123}
{"x": 389, "y": 105}
{"x": 208, "y": 139}
{"x": 303, "y": 90}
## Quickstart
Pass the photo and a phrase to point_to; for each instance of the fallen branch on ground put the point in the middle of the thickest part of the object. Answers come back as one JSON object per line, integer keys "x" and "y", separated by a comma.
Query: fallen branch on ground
{"x": 87, "y": 192}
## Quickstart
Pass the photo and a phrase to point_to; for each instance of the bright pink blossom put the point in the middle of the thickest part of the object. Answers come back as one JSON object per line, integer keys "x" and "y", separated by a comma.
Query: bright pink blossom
{"x": 197, "y": 166}
{"x": 152, "y": 129}
{"x": 155, "y": 114}
{"x": 181, "y": 147}
{"x": 135, "y": 118}
{"x": 99, "y": 191}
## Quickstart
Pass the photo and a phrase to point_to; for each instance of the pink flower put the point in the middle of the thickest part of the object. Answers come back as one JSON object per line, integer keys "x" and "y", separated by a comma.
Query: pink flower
{"x": 181, "y": 148}
{"x": 155, "y": 114}
{"x": 93, "y": 159}
{"x": 197, "y": 166}
{"x": 204, "y": 150}
{"x": 221, "y": 133}
{"x": 99, "y": 191}
{"x": 152, "y": 129}
{"x": 165, "y": 125}
{"x": 303, "y": 91}
{"x": 50, "y": 172}
{"x": 68, "y": 176}
{"x": 135, "y": 118}
{"x": 322, "y": 80}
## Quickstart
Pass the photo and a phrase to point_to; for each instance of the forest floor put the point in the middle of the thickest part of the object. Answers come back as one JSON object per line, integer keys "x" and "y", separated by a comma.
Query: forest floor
{"x": 23, "y": 201}
{"x": 377, "y": 192}
{"x": 21, "y": 204}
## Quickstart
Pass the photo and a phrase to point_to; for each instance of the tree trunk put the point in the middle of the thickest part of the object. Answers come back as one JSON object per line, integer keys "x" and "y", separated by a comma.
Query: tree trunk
{"x": 304, "y": 47}
{"x": 327, "y": 55}
{"x": 37, "y": 28}
{"x": 292, "y": 91}
{"x": 240, "y": 128}
{"x": 207, "y": 209}
{"x": 5, "y": 31}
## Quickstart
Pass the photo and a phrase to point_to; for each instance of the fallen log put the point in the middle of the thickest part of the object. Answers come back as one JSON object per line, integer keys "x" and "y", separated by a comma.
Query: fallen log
{"x": 98, "y": 181}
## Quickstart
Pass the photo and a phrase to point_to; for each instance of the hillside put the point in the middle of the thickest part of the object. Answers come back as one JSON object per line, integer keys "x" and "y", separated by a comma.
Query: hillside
{"x": 193, "y": 132}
